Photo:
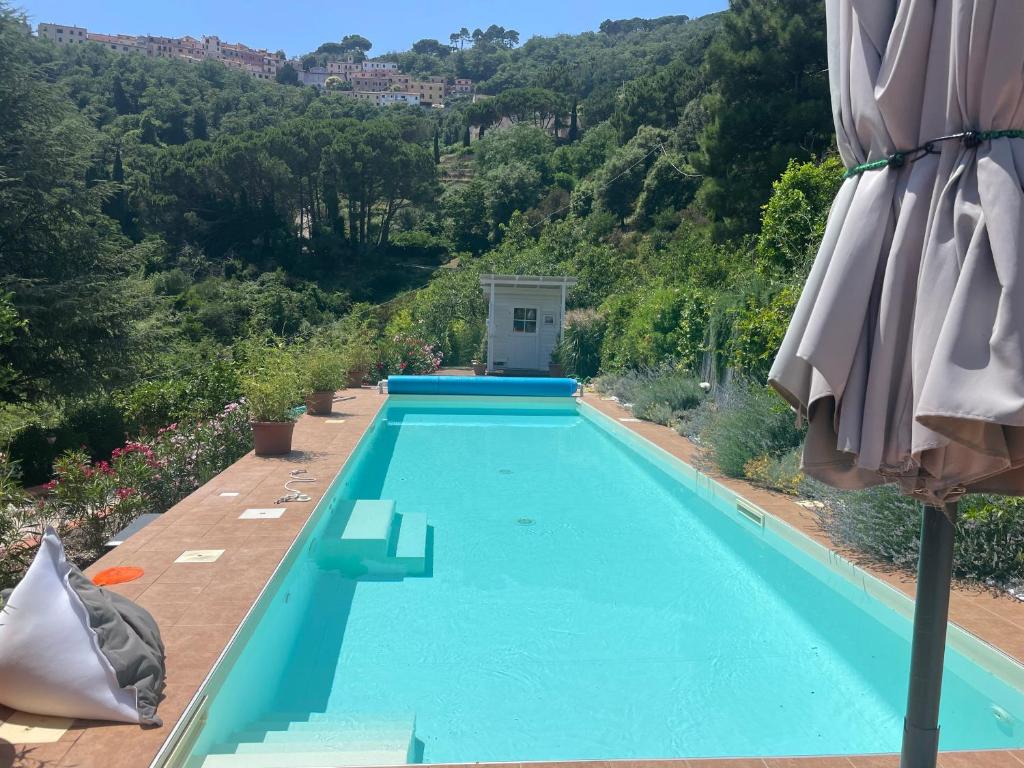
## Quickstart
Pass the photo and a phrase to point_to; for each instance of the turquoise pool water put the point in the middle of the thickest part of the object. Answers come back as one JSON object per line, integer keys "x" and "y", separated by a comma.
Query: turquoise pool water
{"x": 582, "y": 601}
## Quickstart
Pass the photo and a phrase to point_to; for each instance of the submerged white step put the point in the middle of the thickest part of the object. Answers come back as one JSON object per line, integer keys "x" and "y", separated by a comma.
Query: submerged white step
{"x": 338, "y": 720}
{"x": 368, "y": 529}
{"x": 306, "y": 743}
{"x": 341, "y": 734}
{"x": 411, "y": 550}
{"x": 287, "y": 759}
{"x": 363, "y": 543}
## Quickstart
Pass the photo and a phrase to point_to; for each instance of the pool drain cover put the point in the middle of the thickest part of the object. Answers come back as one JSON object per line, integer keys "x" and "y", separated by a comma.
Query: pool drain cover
{"x": 525, "y": 521}
{"x": 504, "y": 471}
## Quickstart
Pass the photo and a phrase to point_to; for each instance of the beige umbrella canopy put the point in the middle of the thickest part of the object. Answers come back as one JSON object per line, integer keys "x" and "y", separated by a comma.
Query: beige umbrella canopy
{"x": 906, "y": 350}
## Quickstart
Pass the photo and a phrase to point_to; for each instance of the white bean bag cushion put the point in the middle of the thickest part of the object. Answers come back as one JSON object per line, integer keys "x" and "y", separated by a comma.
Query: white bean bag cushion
{"x": 61, "y": 638}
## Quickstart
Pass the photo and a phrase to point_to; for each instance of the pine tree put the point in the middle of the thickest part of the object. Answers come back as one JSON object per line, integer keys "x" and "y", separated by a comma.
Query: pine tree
{"x": 770, "y": 104}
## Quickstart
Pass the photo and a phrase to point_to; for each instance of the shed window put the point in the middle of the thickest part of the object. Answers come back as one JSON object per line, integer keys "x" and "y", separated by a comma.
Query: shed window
{"x": 524, "y": 320}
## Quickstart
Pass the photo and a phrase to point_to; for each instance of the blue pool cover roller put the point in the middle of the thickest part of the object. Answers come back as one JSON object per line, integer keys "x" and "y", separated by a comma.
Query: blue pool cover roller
{"x": 481, "y": 385}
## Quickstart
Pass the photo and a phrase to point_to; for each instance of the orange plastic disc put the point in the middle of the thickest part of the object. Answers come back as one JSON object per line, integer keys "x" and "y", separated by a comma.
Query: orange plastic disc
{"x": 117, "y": 575}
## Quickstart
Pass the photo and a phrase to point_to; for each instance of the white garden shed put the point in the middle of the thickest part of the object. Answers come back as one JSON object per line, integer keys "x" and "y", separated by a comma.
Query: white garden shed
{"x": 525, "y": 314}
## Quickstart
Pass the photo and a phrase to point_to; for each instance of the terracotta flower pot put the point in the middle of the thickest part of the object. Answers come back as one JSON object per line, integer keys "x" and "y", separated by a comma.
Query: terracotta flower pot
{"x": 355, "y": 378}
{"x": 272, "y": 438}
{"x": 479, "y": 369}
{"x": 319, "y": 403}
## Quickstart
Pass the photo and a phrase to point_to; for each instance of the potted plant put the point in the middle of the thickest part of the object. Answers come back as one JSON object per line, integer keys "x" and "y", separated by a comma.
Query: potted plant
{"x": 272, "y": 395}
{"x": 479, "y": 362}
{"x": 555, "y": 364}
{"x": 324, "y": 374}
{"x": 359, "y": 358}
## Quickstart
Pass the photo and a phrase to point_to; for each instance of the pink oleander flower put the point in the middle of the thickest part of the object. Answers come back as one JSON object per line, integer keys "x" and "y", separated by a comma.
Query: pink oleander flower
{"x": 124, "y": 493}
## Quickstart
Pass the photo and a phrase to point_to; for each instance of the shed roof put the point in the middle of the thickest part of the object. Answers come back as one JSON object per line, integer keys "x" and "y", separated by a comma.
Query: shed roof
{"x": 527, "y": 281}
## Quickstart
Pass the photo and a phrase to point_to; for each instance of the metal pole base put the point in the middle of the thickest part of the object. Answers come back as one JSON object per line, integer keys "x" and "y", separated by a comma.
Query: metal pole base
{"x": 931, "y": 614}
{"x": 920, "y": 746}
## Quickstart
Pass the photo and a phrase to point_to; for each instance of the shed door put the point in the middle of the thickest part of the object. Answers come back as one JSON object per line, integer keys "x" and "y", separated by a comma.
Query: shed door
{"x": 524, "y": 344}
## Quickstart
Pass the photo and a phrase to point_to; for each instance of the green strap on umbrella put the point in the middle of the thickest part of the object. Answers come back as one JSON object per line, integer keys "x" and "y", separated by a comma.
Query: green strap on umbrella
{"x": 898, "y": 159}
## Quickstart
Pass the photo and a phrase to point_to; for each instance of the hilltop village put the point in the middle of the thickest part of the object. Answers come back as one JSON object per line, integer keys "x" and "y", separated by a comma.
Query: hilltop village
{"x": 378, "y": 81}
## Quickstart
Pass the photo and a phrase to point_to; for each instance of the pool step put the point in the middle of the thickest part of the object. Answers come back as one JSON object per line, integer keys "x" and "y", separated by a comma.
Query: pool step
{"x": 368, "y": 530}
{"x": 320, "y": 740}
{"x": 378, "y": 543}
{"x": 411, "y": 549}
{"x": 332, "y": 728}
{"x": 291, "y": 759}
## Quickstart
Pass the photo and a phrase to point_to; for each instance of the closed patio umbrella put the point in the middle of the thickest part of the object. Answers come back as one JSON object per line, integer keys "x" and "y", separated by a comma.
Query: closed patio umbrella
{"x": 906, "y": 350}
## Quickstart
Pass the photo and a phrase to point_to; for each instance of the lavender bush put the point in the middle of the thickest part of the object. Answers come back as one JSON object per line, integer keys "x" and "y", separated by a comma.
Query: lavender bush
{"x": 885, "y": 525}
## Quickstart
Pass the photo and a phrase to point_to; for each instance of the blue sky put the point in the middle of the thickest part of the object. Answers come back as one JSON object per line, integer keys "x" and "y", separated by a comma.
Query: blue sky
{"x": 299, "y": 26}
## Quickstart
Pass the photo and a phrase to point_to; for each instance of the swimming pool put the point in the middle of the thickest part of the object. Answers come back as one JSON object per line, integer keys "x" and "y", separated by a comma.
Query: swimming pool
{"x": 578, "y": 594}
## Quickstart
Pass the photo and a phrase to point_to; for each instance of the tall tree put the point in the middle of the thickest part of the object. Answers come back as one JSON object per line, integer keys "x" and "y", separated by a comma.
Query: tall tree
{"x": 769, "y": 104}
{"x": 69, "y": 273}
{"x": 356, "y": 44}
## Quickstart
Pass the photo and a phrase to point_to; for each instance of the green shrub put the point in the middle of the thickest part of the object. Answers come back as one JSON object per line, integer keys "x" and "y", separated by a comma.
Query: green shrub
{"x": 650, "y": 410}
{"x": 624, "y": 386}
{"x": 758, "y": 330}
{"x": 747, "y": 421}
{"x": 779, "y": 473}
{"x": 884, "y": 524}
{"x": 990, "y": 539}
{"x": 202, "y": 392}
{"x": 16, "y": 514}
{"x": 579, "y": 350}
{"x": 679, "y": 391}
{"x": 359, "y": 356}
{"x": 647, "y": 327}
{"x": 450, "y": 313}
{"x": 880, "y": 522}
{"x": 660, "y": 395}
{"x": 404, "y": 355}
{"x": 273, "y": 393}
{"x": 95, "y": 425}
{"x": 323, "y": 371}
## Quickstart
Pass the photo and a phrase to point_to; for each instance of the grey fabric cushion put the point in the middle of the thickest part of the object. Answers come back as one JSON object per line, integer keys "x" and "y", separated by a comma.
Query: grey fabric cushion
{"x": 72, "y": 649}
{"x": 59, "y": 648}
{"x": 129, "y": 639}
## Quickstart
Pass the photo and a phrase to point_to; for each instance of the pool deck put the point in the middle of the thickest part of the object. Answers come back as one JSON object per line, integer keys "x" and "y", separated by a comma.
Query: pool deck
{"x": 200, "y": 605}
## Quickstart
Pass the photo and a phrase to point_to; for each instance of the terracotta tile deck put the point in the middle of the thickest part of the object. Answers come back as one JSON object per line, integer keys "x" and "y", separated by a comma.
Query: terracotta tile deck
{"x": 199, "y": 606}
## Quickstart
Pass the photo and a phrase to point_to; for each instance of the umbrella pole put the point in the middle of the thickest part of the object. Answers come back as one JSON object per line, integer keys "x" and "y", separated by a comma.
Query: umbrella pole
{"x": 931, "y": 614}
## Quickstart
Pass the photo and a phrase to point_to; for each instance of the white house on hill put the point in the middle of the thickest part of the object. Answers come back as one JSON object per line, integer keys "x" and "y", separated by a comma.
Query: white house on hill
{"x": 525, "y": 315}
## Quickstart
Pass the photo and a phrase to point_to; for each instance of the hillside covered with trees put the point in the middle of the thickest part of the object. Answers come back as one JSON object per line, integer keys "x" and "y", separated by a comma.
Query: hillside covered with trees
{"x": 172, "y": 210}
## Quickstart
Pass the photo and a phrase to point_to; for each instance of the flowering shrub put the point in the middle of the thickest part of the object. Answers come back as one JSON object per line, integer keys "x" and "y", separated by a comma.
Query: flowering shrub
{"x": 166, "y": 468}
{"x": 403, "y": 354}
{"x": 88, "y": 501}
